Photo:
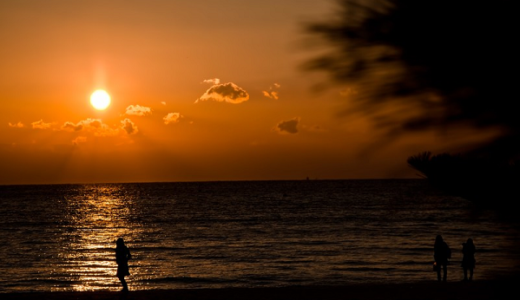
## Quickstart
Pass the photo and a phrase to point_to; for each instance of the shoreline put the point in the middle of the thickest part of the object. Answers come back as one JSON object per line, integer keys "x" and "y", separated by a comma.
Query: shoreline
{"x": 431, "y": 290}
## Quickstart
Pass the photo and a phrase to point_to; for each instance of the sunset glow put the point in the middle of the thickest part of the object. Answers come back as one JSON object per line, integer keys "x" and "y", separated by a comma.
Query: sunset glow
{"x": 302, "y": 149}
{"x": 100, "y": 99}
{"x": 173, "y": 92}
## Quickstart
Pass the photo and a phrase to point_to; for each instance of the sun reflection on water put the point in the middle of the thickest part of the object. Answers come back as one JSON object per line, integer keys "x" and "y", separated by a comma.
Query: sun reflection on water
{"x": 97, "y": 216}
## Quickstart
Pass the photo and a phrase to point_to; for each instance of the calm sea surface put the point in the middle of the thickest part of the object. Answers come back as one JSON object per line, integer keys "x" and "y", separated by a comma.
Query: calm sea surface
{"x": 242, "y": 234}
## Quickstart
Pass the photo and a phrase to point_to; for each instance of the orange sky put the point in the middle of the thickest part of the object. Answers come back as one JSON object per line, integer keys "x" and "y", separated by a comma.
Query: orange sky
{"x": 201, "y": 90}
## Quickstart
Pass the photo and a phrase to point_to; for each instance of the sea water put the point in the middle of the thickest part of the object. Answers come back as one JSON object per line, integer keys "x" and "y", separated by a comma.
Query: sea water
{"x": 242, "y": 234}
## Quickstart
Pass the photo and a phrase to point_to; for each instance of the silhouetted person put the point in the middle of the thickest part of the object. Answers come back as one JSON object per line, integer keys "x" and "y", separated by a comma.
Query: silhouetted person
{"x": 122, "y": 257}
{"x": 442, "y": 253}
{"x": 468, "y": 258}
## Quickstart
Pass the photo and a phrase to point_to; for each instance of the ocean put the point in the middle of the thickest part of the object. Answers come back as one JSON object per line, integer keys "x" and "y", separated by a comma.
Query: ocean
{"x": 242, "y": 234}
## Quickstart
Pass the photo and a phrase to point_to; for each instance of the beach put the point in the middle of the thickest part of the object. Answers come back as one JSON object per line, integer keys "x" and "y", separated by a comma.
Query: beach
{"x": 430, "y": 290}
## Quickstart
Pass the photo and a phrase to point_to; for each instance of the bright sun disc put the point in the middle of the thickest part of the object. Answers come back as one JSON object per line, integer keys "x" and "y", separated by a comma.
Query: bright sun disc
{"x": 100, "y": 99}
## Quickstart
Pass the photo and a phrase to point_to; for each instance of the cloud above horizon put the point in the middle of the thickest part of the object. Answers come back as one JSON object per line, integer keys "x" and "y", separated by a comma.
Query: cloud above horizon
{"x": 69, "y": 126}
{"x": 129, "y": 126}
{"x": 272, "y": 93}
{"x": 16, "y": 125}
{"x": 78, "y": 140}
{"x": 226, "y": 92}
{"x": 96, "y": 126}
{"x": 41, "y": 125}
{"x": 212, "y": 81}
{"x": 288, "y": 127}
{"x": 173, "y": 117}
{"x": 137, "y": 110}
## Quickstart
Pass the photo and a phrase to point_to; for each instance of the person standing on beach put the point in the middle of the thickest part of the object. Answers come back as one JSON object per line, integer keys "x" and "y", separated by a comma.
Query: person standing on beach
{"x": 122, "y": 257}
{"x": 442, "y": 253}
{"x": 468, "y": 258}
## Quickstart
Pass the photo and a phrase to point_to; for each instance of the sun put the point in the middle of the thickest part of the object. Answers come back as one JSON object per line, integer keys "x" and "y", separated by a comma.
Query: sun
{"x": 100, "y": 99}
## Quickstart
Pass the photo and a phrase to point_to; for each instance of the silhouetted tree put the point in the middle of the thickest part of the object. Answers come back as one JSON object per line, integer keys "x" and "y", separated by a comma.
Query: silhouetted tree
{"x": 483, "y": 180}
{"x": 428, "y": 64}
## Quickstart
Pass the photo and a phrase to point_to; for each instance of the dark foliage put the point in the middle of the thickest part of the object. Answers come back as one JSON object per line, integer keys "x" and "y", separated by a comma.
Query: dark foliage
{"x": 440, "y": 64}
{"x": 484, "y": 181}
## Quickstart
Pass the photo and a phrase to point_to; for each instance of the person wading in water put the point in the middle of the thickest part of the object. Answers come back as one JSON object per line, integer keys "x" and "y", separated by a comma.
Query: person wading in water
{"x": 442, "y": 253}
{"x": 468, "y": 259}
{"x": 122, "y": 257}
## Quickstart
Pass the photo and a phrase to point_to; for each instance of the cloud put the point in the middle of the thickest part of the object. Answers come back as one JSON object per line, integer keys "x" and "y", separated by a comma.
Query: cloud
{"x": 96, "y": 126}
{"x": 41, "y": 125}
{"x": 172, "y": 118}
{"x": 79, "y": 139}
{"x": 226, "y": 92}
{"x": 137, "y": 110}
{"x": 99, "y": 128}
{"x": 69, "y": 126}
{"x": 272, "y": 93}
{"x": 163, "y": 103}
{"x": 17, "y": 125}
{"x": 288, "y": 127}
{"x": 212, "y": 81}
{"x": 129, "y": 126}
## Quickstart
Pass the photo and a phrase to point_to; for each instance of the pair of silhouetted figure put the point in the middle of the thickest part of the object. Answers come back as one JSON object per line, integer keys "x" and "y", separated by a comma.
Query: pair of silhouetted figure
{"x": 442, "y": 253}
{"x": 122, "y": 257}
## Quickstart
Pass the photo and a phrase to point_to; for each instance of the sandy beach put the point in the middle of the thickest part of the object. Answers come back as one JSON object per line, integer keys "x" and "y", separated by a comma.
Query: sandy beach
{"x": 428, "y": 290}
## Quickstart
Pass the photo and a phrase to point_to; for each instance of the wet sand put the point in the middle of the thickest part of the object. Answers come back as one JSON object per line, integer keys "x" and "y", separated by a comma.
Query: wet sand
{"x": 475, "y": 290}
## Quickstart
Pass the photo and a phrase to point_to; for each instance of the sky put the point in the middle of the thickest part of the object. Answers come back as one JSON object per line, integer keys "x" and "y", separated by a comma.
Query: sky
{"x": 201, "y": 90}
